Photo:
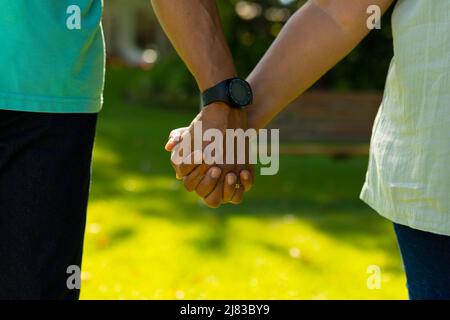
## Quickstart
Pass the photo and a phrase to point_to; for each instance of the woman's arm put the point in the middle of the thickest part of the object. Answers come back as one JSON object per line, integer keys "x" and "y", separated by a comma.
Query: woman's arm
{"x": 316, "y": 38}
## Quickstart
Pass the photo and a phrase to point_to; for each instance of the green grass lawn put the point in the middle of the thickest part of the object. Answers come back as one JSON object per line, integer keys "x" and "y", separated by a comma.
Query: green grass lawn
{"x": 302, "y": 234}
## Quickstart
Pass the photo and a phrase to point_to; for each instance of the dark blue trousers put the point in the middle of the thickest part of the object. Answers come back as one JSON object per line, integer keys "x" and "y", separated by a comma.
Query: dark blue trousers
{"x": 426, "y": 258}
{"x": 45, "y": 162}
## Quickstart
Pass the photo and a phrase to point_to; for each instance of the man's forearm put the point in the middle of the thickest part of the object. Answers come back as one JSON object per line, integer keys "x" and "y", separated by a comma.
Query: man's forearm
{"x": 195, "y": 30}
{"x": 316, "y": 38}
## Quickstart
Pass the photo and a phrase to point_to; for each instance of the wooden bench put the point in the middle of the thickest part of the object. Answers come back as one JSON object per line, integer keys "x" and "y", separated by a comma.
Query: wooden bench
{"x": 328, "y": 123}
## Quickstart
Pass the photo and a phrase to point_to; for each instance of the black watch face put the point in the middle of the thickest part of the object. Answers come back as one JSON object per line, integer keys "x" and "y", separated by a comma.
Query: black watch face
{"x": 240, "y": 92}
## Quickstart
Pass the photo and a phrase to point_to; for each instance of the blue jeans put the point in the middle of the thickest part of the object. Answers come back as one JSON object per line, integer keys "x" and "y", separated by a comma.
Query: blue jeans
{"x": 45, "y": 162}
{"x": 426, "y": 258}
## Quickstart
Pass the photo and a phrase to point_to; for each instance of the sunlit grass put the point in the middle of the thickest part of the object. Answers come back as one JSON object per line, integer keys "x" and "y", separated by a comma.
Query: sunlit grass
{"x": 302, "y": 234}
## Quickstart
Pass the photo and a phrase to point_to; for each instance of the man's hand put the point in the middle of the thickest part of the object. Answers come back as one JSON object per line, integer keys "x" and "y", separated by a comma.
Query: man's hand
{"x": 195, "y": 30}
{"x": 219, "y": 182}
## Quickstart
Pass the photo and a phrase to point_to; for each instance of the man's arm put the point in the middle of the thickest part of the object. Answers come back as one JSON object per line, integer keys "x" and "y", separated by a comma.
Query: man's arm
{"x": 195, "y": 30}
{"x": 316, "y": 38}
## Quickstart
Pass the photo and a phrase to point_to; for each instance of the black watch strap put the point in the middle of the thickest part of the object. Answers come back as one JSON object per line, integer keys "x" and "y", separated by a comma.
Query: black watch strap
{"x": 218, "y": 93}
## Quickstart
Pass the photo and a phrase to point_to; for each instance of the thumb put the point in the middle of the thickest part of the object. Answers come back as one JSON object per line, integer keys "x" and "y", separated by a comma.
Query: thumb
{"x": 174, "y": 138}
{"x": 171, "y": 144}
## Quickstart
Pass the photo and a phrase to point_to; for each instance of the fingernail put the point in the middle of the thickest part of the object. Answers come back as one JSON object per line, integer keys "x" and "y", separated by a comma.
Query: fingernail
{"x": 231, "y": 179}
{"x": 168, "y": 146}
{"x": 215, "y": 173}
{"x": 245, "y": 175}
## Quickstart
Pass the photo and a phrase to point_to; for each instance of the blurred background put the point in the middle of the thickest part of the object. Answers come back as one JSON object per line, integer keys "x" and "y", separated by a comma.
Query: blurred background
{"x": 302, "y": 234}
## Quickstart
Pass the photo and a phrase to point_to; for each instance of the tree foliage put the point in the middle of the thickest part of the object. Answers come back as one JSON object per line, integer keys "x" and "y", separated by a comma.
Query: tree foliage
{"x": 251, "y": 30}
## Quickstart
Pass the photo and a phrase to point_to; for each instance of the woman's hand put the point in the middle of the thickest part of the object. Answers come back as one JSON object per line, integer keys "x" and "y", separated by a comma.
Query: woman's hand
{"x": 215, "y": 184}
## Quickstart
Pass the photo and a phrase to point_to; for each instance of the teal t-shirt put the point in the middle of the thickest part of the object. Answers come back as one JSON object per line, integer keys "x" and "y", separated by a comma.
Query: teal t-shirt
{"x": 51, "y": 56}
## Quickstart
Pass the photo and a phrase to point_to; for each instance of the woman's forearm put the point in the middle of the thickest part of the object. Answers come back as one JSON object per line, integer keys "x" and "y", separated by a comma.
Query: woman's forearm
{"x": 315, "y": 39}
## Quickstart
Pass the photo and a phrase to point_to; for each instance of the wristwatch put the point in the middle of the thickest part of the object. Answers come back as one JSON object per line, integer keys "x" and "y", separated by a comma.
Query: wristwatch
{"x": 235, "y": 92}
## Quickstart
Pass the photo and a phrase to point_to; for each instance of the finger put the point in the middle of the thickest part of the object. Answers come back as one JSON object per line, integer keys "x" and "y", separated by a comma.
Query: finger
{"x": 238, "y": 195}
{"x": 214, "y": 199}
{"x": 229, "y": 186}
{"x": 246, "y": 178}
{"x": 190, "y": 162}
{"x": 209, "y": 182}
{"x": 174, "y": 138}
{"x": 187, "y": 164}
{"x": 178, "y": 131}
{"x": 174, "y": 158}
{"x": 171, "y": 144}
{"x": 192, "y": 180}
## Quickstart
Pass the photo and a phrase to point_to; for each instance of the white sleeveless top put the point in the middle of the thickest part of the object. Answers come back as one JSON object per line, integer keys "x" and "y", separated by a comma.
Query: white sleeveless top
{"x": 408, "y": 179}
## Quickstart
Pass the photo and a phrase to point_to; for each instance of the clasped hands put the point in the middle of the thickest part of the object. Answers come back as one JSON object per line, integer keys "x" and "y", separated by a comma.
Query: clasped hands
{"x": 216, "y": 183}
